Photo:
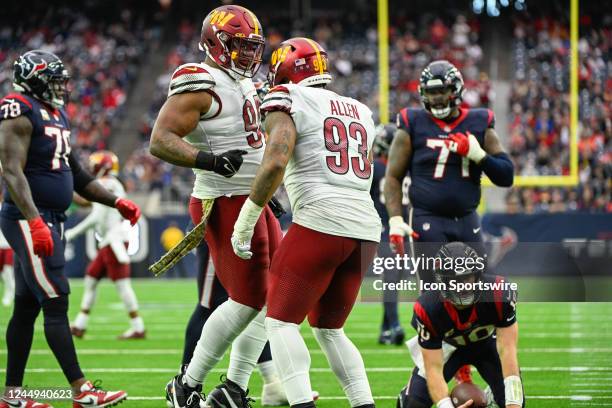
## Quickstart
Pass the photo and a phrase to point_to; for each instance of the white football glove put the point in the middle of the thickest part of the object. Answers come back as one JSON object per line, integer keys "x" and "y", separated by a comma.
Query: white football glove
{"x": 69, "y": 235}
{"x": 398, "y": 229}
{"x": 244, "y": 229}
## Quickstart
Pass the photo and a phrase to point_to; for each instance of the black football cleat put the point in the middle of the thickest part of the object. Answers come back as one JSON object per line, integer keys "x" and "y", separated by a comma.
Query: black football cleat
{"x": 402, "y": 398}
{"x": 180, "y": 395}
{"x": 394, "y": 336}
{"x": 228, "y": 394}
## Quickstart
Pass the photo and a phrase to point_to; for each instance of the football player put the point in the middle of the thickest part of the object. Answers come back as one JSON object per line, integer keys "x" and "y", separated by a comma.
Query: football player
{"x": 112, "y": 259}
{"x": 391, "y": 330}
{"x": 210, "y": 122}
{"x": 445, "y": 148}
{"x": 41, "y": 172}
{"x": 457, "y": 327}
{"x": 321, "y": 143}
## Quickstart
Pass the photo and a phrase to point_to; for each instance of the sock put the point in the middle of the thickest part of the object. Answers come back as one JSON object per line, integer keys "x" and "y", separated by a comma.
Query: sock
{"x": 127, "y": 295}
{"x": 268, "y": 372}
{"x": 390, "y": 300}
{"x": 292, "y": 360}
{"x": 137, "y": 324}
{"x": 89, "y": 292}
{"x": 194, "y": 330}
{"x": 246, "y": 350}
{"x": 220, "y": 330}
{"x": 346, "y": 363}
{"x": 391, "y": 315}
{"x": 81, "y": 321}
{"x": 57, "y": 332}
{"x": 9, "y": 284}
{"x": 19, "y": 334}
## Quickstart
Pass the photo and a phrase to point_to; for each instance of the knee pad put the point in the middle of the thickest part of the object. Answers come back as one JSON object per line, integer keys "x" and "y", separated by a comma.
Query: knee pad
{"x": 26, "y": 309}
{"x": 55, "y": 310}
{"x": 406, "y": 401}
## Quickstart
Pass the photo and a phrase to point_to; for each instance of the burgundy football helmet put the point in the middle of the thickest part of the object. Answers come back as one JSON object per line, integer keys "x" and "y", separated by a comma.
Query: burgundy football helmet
{"x": 299, "y": 61}
{"x": 104, "y": 162}
{"x": 232, "y": 36}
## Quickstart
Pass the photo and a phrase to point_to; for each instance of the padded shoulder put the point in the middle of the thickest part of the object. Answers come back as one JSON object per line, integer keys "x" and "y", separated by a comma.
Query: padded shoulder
{"x": 190, "y": 78}
{"x": 277, "y": 99}
{"x": 14, "y": 105}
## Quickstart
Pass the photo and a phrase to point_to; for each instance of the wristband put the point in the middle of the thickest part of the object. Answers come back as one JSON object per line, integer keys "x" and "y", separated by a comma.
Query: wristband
{"x": 205, "y": 161}
{"x": 514, "y": 390}
{"x": 249, "y": 214}
{"x": 445, "y": 403}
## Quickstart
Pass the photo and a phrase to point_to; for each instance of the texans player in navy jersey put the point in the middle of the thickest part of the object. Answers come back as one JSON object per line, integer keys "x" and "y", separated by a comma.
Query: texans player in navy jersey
{"x": 457, "y": 327}
{"x": 391, "y": 331}
{"x": 41, "y": 172}
{"x": 446, "y": 149}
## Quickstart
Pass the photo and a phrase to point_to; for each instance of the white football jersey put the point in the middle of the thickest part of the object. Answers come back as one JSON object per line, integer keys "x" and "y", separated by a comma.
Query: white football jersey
{"x": 232, "y": 122}
{"x": 107, "y": 222}
{"x": 328, "y": 178}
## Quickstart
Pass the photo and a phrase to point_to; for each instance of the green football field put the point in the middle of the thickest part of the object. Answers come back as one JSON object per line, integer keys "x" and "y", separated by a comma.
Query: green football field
{"x": 565, "y": 350}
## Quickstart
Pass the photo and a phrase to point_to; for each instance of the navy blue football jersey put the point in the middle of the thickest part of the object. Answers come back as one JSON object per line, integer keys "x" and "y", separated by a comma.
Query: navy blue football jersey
{"x": 47, "y": 168}
{"x": 443, "y": 183}
{"x": 437, "y": 320}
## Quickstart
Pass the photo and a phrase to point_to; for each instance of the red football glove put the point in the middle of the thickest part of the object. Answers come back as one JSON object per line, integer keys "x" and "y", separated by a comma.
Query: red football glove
{"x": 128, "y": 209}
{"x": 458, "y": 143}
{"x": 42, "y": 241}
{"x": 397, "y": 230}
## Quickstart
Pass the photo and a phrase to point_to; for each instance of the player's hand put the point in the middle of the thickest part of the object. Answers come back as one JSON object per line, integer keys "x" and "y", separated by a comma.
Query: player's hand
{"x": 128, "y": 210}
{"x": 69, "y": 235}
{"x": 398, "y": 229}
{"x": 244, "y": 229}
{"x": 241, "y": 242}
{"x": 466, "y": 145}
{"x": 42, "y": 241}
{"x": 227, "y": 164}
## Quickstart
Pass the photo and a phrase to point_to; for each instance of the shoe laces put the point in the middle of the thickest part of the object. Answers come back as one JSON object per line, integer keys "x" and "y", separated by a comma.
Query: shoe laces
{"x": 193, "y": 401}
{"x": 96, "y": 387}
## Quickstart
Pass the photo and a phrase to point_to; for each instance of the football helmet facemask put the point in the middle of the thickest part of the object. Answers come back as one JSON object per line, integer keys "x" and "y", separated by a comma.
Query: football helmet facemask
{"x": 299, "y": 61}
{"x": 452, "y": 265}
{"x": 441, "y": 88}
{"x": 233, "y": 37}
{"x": 43, "y": 75}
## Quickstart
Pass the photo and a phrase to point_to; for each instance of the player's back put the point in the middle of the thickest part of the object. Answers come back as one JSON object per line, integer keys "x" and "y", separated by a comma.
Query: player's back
{"x": 232, "y": 122}
{"x": 443, "y": 183}
{"x": 329, "y": 176}
{"x": 47, "y": 167}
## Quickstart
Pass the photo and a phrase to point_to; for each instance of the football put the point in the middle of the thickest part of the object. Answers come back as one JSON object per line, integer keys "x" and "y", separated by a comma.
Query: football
{"x": 467, "y": 391}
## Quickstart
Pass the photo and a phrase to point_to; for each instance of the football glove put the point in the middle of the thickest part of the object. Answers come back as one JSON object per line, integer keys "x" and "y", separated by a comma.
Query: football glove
{"x": 466, "y": 146}
{"x": 128, "y": 210}
{"x": 397, "y": 230}
{"x": 244, "y": 229}
{"x": 42, "y": 241}
{"x": 228, "y": 163}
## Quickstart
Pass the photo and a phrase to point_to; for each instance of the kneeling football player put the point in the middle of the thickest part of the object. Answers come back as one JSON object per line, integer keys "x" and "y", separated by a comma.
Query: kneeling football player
{"x": 458, "y": 327}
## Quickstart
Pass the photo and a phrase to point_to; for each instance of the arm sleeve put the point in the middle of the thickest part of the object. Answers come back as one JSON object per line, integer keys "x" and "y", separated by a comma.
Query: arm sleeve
{"x": 80, "y": 176}
{"x": 505, "y": 304}
{"x": 428, "y": 337}
{"x": 499, "y": 169}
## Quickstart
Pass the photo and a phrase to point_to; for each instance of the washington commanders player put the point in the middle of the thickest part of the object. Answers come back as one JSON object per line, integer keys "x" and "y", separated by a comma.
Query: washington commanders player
{"x": 112, "y": 259}
{"x": 210, "y": 122}
{"x": 41, "y": 172}
{"x": 321, "y": 142}
{"x": 445, "y": 148}
{"x": 457, "y": 327}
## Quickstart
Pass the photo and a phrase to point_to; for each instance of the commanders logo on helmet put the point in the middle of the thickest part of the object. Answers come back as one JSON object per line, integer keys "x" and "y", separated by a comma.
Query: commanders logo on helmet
{"x": 232, "y": 36}
{"x": 43, "y": 75}
{"x": 441, "y": 75}
{"x": 299, "y": 61}
{"x": 103, "y": 163}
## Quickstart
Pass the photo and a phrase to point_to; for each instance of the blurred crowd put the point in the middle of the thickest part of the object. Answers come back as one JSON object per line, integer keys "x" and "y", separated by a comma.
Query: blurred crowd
{"x": 539, "y": 133}
{"x": 101, "y": 55}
